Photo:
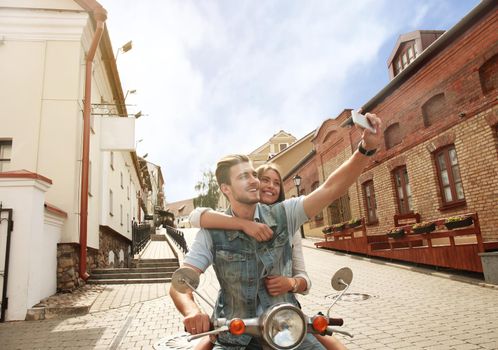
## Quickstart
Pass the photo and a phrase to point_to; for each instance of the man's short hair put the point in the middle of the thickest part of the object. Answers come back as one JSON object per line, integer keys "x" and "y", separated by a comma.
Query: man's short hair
{"x": 224, "y": 165}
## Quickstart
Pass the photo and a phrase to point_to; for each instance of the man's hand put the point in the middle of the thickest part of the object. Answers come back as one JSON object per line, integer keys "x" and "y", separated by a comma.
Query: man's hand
{"x": 277, "y": 285}
{"x": 371, "y": 140}
{"x": 196, "y": 322}
{"x": 260, "y": 232}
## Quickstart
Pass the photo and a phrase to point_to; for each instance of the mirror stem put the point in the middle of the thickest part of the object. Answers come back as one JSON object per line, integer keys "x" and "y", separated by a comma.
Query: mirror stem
{"x": 198, "y": 294}
{"x": 341, "y": 281}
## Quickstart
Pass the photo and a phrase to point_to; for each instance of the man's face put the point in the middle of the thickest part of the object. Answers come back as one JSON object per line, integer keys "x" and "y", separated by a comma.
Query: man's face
{"x": 244, "y": 186}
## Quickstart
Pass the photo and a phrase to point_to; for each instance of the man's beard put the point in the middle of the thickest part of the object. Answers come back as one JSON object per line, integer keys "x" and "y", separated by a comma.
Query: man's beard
{"x": 244, "y": 199}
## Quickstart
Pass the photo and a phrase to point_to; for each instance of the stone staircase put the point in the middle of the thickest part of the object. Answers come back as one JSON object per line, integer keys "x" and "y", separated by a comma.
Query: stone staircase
{"x": 156, "y": 265}
{"x": 143, "y": 271}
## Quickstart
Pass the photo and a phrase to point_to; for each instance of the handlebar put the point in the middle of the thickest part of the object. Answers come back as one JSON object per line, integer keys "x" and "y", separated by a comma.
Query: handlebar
{"x": 336, "y": 321}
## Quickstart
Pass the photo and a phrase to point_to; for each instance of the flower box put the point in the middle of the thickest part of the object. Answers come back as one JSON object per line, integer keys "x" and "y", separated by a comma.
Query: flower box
{"x": 327, "y": 229}
{"x": 338, "y": 227}
{"x": 456, "y": 222}
{"x": 354, "y": 223}
{"x": 396, "y": 233}
{"x": 424, "y": 227}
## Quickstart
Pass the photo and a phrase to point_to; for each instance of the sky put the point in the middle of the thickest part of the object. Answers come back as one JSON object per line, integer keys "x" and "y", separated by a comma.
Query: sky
{"x": 214, "y": 77}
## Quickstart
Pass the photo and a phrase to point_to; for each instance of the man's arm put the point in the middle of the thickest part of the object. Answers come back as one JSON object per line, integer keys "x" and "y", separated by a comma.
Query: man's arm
{"x": 195, "y": 320}
{"x": 343, "y": 177}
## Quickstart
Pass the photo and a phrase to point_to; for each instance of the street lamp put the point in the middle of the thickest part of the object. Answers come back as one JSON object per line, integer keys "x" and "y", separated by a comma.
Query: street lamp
{"x": 138, "y": 115}
{"x": 136, "y": 143}
{"x": 125, "y": 48}
{"x": 297, "y": 182}
{"x": 130, "y": 92}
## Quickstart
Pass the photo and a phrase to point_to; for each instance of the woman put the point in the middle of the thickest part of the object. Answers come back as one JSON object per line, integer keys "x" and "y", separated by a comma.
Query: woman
{"x": 271, "y": 191}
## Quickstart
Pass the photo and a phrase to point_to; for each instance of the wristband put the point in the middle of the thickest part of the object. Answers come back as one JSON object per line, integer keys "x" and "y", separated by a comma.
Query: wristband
{"x": 364, "y": 151}
{"x": 294, "y": 286}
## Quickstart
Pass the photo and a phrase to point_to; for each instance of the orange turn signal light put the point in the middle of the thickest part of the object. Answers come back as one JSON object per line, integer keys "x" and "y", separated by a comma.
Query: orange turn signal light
{"x": 320, "y": 323}
{"x": 237, "y": 326}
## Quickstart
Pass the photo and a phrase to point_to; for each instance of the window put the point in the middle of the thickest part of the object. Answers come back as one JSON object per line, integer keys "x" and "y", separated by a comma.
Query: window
{"x": 110, "y": 203}
{"x": 488, "y": 74}
{"x": 405, "y": 60}
{"x": 121, "y": 214}
{"x": 5, "y": 154}
{"x": 282, "y": 146}
{"x": 128, "y": 192}
{"x": 432, "y": 109}
{"x": 411, "y": 56}
{"x": 392, "y": 135}
{"x": 370, "y": 203}
{"x": 399, "y": 67}
{"x": 112, "y": 160}
{"x": 121, "y": 174}
{"x": 403, "y": 190}
{"x": 448, "y": 172}
{"x": 127, "y": 222}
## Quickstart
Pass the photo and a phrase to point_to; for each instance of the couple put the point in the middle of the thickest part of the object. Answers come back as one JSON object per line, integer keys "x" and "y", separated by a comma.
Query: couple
{"x": 254, "y": 272}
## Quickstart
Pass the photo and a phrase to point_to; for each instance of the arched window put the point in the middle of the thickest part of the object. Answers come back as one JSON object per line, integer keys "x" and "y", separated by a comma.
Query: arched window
{"x": 433, "y": 108}
{"x": 329, "y": 136}
{"x": 392, "y": 135}
{"x": 488, "y": 74}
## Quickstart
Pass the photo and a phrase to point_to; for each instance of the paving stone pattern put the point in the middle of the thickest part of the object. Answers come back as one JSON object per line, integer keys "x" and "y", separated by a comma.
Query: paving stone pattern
{"x": 407, "y": 310}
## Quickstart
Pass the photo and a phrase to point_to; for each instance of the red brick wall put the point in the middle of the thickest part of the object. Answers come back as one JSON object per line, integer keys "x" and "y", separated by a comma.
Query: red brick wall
{"x": 467, "y": 120}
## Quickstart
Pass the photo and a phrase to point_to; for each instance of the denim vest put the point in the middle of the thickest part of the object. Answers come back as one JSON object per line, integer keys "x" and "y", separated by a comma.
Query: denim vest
{"x": 241, "y": 264}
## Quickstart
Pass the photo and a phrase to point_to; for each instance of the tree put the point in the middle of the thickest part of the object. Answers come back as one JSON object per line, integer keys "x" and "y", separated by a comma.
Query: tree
{"x": 208, "y": 190}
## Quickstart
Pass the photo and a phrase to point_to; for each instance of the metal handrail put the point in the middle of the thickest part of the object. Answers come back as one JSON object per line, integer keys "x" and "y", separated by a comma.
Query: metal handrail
{"x": 140, "y": 236}
{"x": 178, "y": 237}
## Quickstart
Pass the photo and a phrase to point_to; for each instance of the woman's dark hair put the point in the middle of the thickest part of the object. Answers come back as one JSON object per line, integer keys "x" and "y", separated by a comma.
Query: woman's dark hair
{"x": 263, "y": 168}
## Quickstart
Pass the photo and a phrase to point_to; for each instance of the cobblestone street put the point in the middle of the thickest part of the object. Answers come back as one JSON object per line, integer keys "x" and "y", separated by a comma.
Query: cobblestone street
{"x": 407, "y": 308}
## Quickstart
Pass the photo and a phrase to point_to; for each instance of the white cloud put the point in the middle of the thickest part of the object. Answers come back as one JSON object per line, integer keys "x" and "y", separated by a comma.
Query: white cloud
{"x": 218, "y": 77}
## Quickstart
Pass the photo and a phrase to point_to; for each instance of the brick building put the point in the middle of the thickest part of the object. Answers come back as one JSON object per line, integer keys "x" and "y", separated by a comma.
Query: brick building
{"x": 440, "y": 125}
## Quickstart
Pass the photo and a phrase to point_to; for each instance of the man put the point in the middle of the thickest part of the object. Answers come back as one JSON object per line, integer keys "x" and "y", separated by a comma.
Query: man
{"x": 241, "y": 262}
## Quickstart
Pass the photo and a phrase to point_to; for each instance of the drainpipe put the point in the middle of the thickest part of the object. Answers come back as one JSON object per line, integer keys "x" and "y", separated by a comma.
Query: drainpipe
{"x": 100, "y": 15}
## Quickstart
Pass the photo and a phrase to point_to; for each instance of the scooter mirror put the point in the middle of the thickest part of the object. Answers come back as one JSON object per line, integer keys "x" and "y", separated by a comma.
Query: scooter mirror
{"x": 342, "y": 278}
{"x": 185, "y": 279}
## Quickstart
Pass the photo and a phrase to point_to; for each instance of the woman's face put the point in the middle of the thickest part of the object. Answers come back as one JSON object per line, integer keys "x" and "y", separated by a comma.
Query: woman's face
{"x": 269, "y": 188}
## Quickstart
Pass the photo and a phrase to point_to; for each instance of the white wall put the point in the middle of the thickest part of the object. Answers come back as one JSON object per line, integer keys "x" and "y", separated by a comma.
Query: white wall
{"x": 33, "y": 254}
{"x": 42, "y": 65}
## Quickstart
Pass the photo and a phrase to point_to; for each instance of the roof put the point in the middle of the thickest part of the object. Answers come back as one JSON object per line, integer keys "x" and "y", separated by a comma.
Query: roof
{"x": 181, "y": 208}
{"x": 483, "y": 9}
{"x": 281, "y": 133}
{"x": 408, "y": 37}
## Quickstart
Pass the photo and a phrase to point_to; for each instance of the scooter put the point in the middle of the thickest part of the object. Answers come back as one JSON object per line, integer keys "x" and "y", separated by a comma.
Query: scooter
{"x": 282, "y": 326}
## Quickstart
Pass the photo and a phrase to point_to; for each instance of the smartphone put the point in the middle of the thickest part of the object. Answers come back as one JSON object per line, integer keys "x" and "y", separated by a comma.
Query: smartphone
{"x": 362, "y": 121}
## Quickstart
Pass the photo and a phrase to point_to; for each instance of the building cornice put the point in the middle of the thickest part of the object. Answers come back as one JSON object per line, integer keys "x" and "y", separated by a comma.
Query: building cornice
{"x": 40, "y": 25}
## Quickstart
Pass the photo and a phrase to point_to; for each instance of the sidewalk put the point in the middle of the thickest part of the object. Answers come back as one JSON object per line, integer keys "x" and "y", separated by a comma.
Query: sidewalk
{"x": 93, "y": 298}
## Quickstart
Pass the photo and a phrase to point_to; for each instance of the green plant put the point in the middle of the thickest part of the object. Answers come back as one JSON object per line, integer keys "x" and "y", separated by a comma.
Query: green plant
{"x": 327, "y": 229}
{"x": 423, "y": 224}
{"x": 457, "y": 218}
{"x": 338, "y": 227}
{"x": 353, "y": 222}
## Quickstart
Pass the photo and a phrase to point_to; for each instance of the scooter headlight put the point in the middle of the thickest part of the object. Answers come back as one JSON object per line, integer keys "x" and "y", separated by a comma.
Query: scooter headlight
{"x": 284, "y": 326}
